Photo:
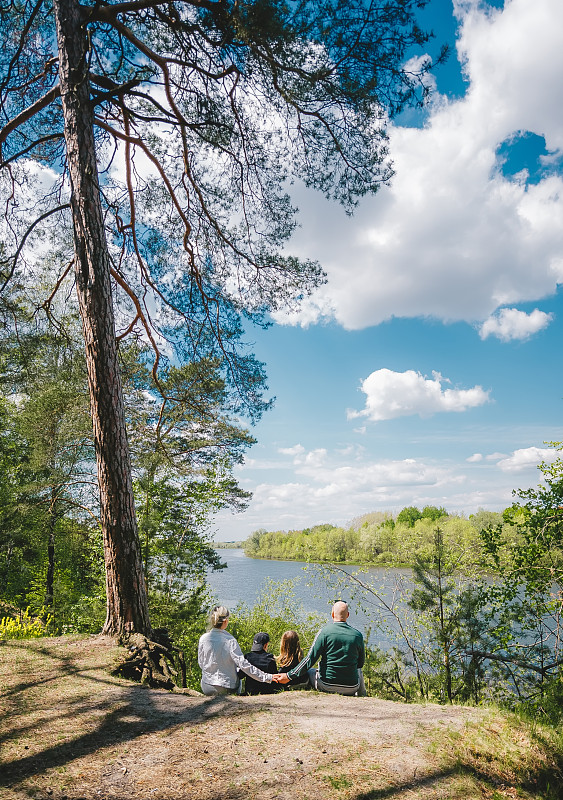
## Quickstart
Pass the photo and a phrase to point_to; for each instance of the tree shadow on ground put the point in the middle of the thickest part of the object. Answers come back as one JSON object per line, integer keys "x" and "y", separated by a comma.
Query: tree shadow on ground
{"x": 119, "y": 726}
{"x": 66, "y": 666}
{"x": 542, "y": 780}
{"x": 14, "y": 699}
{"x": 140, "y": 711}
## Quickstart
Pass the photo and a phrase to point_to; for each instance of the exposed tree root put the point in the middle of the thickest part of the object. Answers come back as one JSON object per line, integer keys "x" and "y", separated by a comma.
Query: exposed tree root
{"x": 153, "y": 663}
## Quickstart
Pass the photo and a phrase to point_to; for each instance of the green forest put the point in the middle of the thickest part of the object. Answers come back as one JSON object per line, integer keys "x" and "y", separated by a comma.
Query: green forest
{"x": 381, "y": 538}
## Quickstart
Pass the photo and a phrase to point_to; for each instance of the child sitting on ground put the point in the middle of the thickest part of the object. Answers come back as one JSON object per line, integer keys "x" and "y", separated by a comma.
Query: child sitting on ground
{"x": 290, "y": 656}
{"x": 259, "y": 657}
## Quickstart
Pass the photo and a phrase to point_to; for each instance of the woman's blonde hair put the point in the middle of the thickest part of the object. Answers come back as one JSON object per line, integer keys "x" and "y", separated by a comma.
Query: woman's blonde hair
{"x": 289, "y": 649}
{"x": 217, "y": 616}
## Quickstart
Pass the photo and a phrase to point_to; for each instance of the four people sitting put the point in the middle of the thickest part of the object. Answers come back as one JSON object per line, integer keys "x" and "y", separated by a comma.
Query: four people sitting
{"x": 338, "y": 647}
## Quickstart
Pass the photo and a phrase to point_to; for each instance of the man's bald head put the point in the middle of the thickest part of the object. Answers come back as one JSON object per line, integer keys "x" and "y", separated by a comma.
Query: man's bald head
{"x": 340, "y": 611}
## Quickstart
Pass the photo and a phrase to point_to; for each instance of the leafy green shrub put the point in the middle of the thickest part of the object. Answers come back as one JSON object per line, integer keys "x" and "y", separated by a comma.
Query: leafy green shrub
{"x": 276, "y": 611}
{"x": 389, "y": 675}
{"x": 85, "y": 615}
{"x": 546, "y": 703}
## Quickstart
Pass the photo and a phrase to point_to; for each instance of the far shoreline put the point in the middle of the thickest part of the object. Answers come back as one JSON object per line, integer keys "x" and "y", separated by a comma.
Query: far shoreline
{"x": 373, "y": 564}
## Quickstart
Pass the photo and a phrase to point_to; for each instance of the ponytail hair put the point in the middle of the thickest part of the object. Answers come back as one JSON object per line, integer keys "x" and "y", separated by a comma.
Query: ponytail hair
{"x": 217, "y": 616}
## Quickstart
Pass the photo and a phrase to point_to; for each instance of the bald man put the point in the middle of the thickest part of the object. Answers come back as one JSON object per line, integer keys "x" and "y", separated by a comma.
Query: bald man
{"x": 340, "y": 648}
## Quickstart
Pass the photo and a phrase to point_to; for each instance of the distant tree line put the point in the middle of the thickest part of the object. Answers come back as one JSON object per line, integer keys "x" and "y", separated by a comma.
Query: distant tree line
{"x": 227, "y": 545}
{"x": 379, "y": 538}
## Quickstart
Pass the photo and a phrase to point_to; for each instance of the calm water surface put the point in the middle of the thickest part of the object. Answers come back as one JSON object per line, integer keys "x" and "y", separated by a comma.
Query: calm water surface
{"x": 245, "y": 579}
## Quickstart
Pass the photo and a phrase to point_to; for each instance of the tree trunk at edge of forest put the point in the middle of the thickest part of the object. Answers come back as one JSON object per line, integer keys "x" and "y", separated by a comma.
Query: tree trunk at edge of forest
{"x": 127, "y": 605}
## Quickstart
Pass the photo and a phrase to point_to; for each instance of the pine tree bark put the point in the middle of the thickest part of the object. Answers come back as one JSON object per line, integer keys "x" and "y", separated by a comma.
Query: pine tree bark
{"x": 127, "y": 607}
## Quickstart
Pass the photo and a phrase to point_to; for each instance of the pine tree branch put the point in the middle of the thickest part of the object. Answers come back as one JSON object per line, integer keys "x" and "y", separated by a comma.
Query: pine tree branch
{"x": 28, "y": 114}
{"x": 108, "y": 13}
{"x": 24, "y": 239}
{"x": 518, "y": 662}
{"x": 42, "y": 140}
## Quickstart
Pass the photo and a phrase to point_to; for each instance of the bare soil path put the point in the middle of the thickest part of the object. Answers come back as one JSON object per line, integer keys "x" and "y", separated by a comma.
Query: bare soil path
{"x": 71, "y": 730}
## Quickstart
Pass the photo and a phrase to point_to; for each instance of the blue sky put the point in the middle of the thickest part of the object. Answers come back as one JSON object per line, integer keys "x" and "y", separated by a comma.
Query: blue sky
{"x": 427, "y": 370}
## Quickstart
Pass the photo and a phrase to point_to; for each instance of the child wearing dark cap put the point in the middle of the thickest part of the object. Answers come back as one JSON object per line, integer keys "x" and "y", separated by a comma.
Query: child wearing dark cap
{"x": 259, "y": 657}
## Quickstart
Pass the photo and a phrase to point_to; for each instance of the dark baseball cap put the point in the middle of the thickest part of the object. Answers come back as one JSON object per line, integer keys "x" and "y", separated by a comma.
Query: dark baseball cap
{"x": 260, "y": 639}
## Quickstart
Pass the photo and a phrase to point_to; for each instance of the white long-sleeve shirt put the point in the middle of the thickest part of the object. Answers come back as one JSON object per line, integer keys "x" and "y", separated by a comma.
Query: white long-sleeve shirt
{"x": 219, "y": 657}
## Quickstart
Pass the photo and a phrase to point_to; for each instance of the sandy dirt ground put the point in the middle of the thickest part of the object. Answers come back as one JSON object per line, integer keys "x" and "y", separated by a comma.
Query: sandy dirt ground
{"x": 71, "y": 730}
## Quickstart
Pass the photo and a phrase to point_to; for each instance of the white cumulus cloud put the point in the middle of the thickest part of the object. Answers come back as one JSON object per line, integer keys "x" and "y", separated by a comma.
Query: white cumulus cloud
{"x": 509, "y": 323}
{"x": 337, "y": 485}
{"x": 453, "y": 237}
{"x": 495, "y": 456}
{"x": 399, "y": 394}
{"x": 296, "y": 450}
{"x": 527, "y": 457}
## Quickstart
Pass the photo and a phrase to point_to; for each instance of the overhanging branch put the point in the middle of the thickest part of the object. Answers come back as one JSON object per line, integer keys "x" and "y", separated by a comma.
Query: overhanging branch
{"x": 42, "y": 140}
{"x": 29, "y": 112}
{"x": 28, "y": 232}
{"x": 108, "y": 13}
{"x": 517, "y": 661}
{"x": 112, "y": 89}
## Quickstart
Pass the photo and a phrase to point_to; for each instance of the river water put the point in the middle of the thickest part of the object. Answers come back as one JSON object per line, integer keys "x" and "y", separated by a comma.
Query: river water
{"x": 245, "y": 579}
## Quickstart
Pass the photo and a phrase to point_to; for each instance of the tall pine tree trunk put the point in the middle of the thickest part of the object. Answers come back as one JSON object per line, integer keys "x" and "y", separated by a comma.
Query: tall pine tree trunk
{"x": 127, "y": 607}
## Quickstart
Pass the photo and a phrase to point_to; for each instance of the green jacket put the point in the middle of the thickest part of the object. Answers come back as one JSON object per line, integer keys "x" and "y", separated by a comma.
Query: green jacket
{"x": 341, "y": 650}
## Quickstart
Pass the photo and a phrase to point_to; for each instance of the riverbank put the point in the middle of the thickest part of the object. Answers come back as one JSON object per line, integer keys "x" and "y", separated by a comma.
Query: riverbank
{"x": 313, "y": 562}
{"x": 72, "y": 730}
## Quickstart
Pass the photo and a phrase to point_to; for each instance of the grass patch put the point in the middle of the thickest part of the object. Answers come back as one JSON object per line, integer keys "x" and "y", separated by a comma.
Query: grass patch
{"x": 506, "y": 755}
{"x": 338, "y": 781}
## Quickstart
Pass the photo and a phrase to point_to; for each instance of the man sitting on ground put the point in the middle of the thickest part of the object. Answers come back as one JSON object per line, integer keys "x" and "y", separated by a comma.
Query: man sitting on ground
{"x": 259, "y": 657}
{"x": 341, "y": 651}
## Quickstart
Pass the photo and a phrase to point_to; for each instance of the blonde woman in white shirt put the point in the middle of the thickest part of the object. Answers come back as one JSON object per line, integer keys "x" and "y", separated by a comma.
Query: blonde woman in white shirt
{"x": 220, "y": 656}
